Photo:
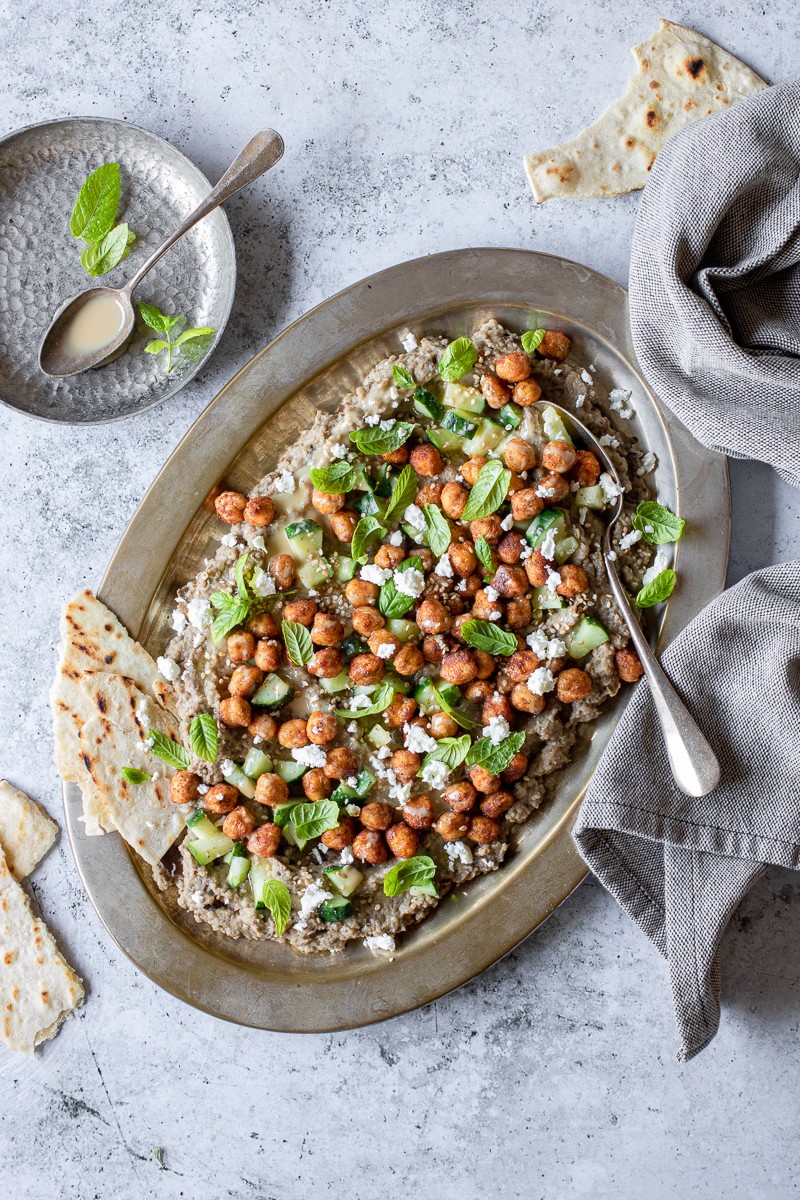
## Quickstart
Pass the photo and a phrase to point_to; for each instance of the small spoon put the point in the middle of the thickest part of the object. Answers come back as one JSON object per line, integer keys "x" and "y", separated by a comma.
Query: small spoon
{"x": 55, "y": 357}
{"x": 694, "y": 764}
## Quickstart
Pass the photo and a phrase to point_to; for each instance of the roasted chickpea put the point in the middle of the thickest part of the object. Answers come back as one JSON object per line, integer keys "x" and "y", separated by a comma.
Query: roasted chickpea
{"x": 457, "y": 628}
{"x": 461, "y": 797}
{"x": 451, "y": 826}
{"x": 483, "y": 830}
{"x": 235, "y": 711}
{"x": 239, "y": 823}
{"x": 366, "y": 668}
{"x": 418, "y": 813}
{"x": 344, "y": 834}
{"x": 459, "y": 667}
{"x": 454, "y": 499}
{"x": 300, "y": 611}
{"x": 510, "y": 547}
{"x": 628, "y": 664}
{"x": 327, "y": 503}
{"x": 487, "y": 527}
{"x": 510, "y": 582}
{"x": 431, "y": 493}
{"x": 264, "y": 841}
{"x": 343, "y": 525}
{"x": 494, "y": 806}
{"x": 360, "y": 592}
{"x": 271, "y": 790}
{"x": 405, "y": 764}
{"x": 537, "y": 569}
{"x": 269, "y": 654}
{"x": 327, "y": 663}
{"x": 259, "y": 511}
{"x": 370, "y": 847}
{"x": 573, "y": 685}
{"x": 479, "y": 690}
{"x": 554, "y": 345}
{"x": 402, "y": 841}
{"x": 558, "y": 456}
{"x": 472, "y": 585}
{"x": 514, "y": 771}
{"x": 483, "y": 781}
{"x": 434, "y": 648}
{"x": 426, "y": 460}
{"x": 321, "y": 728}
{"x": 401, "y": 709}
{"x": 263, "y": 625}
{"x": 183, "y": 787}
{"x": 282, "y": 571}
{"x": 316, "y": 785}
{"x": 395, "y": 457}
{"x": 389, "y": 557}
{"x": 524, "y": 700}
{"x": 553, "y": 488}
{"x": 241, "y": 646}
{"x": 230, "y": 506}
{"x": 366, "y": 620}
{"x": 245, "y": 681}
{"x": 292, "y": 734}
{"x": 441, "y": 725}
{"x": 263, "y": 727}
{"x": 526, "y": 504}
{"x": 485, "y": 663}
{"x": 433, "y": 617}
{"x": 497, "y": 705}
{"x": 485, "y": 608}
{"x": 472, "y": 468}
{"x": 527, "y": 393}
{"x": 519, "y": 612}
{"x": 221, "y": 798}
{"x": 521, "y": 665}
{"x": 586, "y": 469}
{"x": 520, "y": 455}
{"x": 408, "y": 660}
{"x": 326, "y": 630}
{"x": 341, "y": 763}
{"x": 425, "y": 556}
{"x": 463, "y": 558}
{"x": 574, "y": 580}
{"x": 495, "y": 392}
{"x": 382, "y": 637}
{"x": 514, "y": 366}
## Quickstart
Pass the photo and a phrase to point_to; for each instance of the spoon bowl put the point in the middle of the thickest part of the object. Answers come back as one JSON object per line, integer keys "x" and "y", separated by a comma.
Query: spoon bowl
{"x": 59, "y": 357}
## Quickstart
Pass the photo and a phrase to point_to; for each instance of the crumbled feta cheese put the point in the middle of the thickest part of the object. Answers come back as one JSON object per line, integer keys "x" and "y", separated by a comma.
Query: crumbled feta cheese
{"x": 228, "y": 539}
{"x": 415, "y": 517}
{"x": 338, "y": 450}
{"x": 361, "y": 700}
{"x": 545, "y": 493}
{"x": 410, "y": 582}
{"x": 262, "y": 584}
{"x": 351, "y": 781}
{"x": 398, "y": 791}
{"x": 198, "y": 612}
{"x": 458, "y": 852}
{"x": 202, "y": 788}
{"x": 649, "y": 463}
{"x": 491, "y": 593}
{"x": 612, "y": 554}
{"x": 608, "y": 440}
{"x": 527, "y": 551}
{"x": 507, "y": 522}
{"x": 575, "y": 486}
{"x": 352, "y": 810}
{"x": 495, "y": 614}
{"x": 435, "y": 773}
{"x": 168, "y": 668}
{"x": 553, "y": 580}
{"x": 384, "y": 752}
{"x": 660, "y": 563}
{"x": 630, "y": 539}
{"x": 461, "y": 586}
{"x": 610, "y": 489}
{"x": 497, "y": 730}
{"x": 541, "y": 681}
{"x": 417, "y": 739}
{"x": 385, "y": 650}
{"x": 374, "y": 574}
{"x": 545, "y": 647}
{"x": 178, "y": 621}
{"x": 388, "y": 424}
{"x": 393, "y": 394}
{"x": 409, "y": 342}
{"x": 618, "y": 402}
{"x": 396, "y": 539}
{"x": 586, "y": 377}
{"x": 548, "y": 546}
{"x": 310, "y": 900}
{"x": 227, "y": 766}
{"x": 380, "y": 943}
{"x": 444, "y": 568}
{"x": 582, "y": 513}
{"x": 284, "y": 484}
{"x": 371, "y": 419}
{"x": 259, "y": 543}
{"x": 310, "y": 756}
{"x": 346, "y": 857}
{"x": 557, "y": 371}
{"x": 648, "y": 529}
{"x": 580, "y": 399}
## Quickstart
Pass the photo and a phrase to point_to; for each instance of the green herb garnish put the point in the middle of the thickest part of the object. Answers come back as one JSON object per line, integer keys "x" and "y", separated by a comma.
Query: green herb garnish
{"x": 657, "y": 524}
{"x": 532, "y": 339}
{"x": 161, "y": 323}
{"x": 488, "y": 492}
{"x": 483, "y": 635}
{"x": 95, "y": 209}
{"x": 230, "y": 612}
{"x": 101, "y": 257}
{"x": 484, "y": 553}
{"x": 416, "y": 872}
{"x": 204, "y": 737}
{"x": 334, "y": 480}
{"x": 461, "y": 718}
{"x": 403, "y": 378}
{"x": 657, "y": 589}
{"x": 391, "y": 601}
{"x": 403, "y": 493}
{"x": 457, "y": 359}
{"x": 299, "y": 646}
{"x": 382, "y": 441}
{"x": 366, "y": 531}
{"x": 277, "y": 899}
{"x": 450, "y": 750}
{"x": 169, "y": 751}
{"x": 382, "y": 697}
{"x": 438, "y": 529}
{"x": 134, "y": 775}
{"x": 158, "y": 1155}
{"x": 493, "y": 758}
{"x": 311, "y": 820}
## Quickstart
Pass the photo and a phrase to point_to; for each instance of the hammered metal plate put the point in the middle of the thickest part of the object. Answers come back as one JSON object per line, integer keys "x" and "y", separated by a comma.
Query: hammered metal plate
{"x": 313, "y": 364}
{"x": 41, "y": 171}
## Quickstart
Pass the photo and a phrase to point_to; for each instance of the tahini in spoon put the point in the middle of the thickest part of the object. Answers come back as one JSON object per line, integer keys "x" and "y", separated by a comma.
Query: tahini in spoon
{"x": 94, "y": 327}
{"x": 694, "y": 764}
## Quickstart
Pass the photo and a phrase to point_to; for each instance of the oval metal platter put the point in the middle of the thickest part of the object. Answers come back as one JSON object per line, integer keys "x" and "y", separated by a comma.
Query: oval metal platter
{"x": 314, "y": 363}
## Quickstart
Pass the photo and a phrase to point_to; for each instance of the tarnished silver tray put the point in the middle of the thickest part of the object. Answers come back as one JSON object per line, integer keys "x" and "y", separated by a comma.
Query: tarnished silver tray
{"x": 240, "y": 436}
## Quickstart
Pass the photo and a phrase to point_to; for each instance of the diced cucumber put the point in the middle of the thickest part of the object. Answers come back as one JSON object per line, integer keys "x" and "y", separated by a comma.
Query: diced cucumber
{"x": 261, "y": 872}
{"x": 466, "y": 399}
{"x": 353, "y": 645}
{"x": 209, "y": 843}
{"x": 448, "y": 443}
{"x": 554, "y": 428}
{"x": 367, "y": 504}
{"x": 344, "y": 879}
{"x": 273, "y": 693}
{"x": 288, "y": 769}
{"x": 364, "y": 781}
{"x": 544, "y": 598}
{"x": 314, "y": 572}
{"x": 510, "y": 415}
{"x": 337, "y": 909}
{"x": 256, "y": 763}
{"x": 423, "y": 694}
{"x": 339, "y": 683}
{"x": 549, "y": 518}
{"x": 398, "y": 683}
{"x": 378, "y": 736}
{"x": 416, "y": 535}
{"x": 591, "y": 497}
{"x": 488, "y": 437}
{"x": 407, "y": 631}
{"x": 344, "y": 569}
{"x": 587, "y": 635}
{"x": 426, "y": 404}
{"x": 282, "y": 813}
{"x": 459, "y": 422}
{"x": 290, "y": 836}
{"x": 240, "y": 864}
{"x": 565, "y": 548}
{"x": 237, "y": 778}
{"x": 306, "y": 538}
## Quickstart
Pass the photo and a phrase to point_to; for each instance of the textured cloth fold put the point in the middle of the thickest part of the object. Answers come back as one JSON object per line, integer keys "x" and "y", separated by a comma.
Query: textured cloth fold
{"x": 715, "y": 279}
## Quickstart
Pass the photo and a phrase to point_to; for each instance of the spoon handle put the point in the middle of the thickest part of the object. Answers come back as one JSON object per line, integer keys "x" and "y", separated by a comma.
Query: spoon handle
{"x": 694, "y": 764}
{"x": 260, "y": 153}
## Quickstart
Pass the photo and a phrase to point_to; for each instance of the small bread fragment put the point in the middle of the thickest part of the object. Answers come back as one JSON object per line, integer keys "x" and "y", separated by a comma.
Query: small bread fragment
{"x": 26, "y": 831}
{"x": 680, "y": 76}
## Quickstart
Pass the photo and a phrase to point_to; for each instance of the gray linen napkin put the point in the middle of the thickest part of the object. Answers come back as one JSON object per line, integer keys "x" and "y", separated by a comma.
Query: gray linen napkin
{"x": 715, "y": 279}
{"x": 715, "y": 313}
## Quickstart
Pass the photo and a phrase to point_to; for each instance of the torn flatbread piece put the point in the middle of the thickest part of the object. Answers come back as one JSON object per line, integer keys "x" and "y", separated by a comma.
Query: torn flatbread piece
{"x": 117, "y": 736}
{"x": 26, "y": 831}
{"x": 38, "y": 988}
{"x": 680, "y": 76}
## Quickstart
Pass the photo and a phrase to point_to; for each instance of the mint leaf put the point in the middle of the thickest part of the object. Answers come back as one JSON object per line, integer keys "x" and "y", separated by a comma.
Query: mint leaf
{"x": 100, "y": 257}
{"x": 484, "y": 553}
{"x": 484, "y": 635}
{"x": 156, "y": 320}
{"x": 189, "y": 335}
{"x": 340, "y": 477}
{"x": 95, "y": 208}
{"x": 657, "y": 524}
{"x": 382, "y": 697}
{"x": 156, "y": 346}
{"x": 391, "y": 601}
{"x": 418, "y": 871}
{"x": 488, "y": 492}
{"x": 657, "y": 589}
{"x": 438, "y": 529}
{"x": 450, "y": 750}
{"x": 382, "y": 441}
{"x": 168, "y": 751}
{"x": 231, "y": 611}
{"x": 457, "y": 359}
{"x": 299, "y": 646}
{"x": 403, "y": 378}
{"x": 366, "y": 531}
{"x": 313, "y": 819}
{"x": 403, "y": 493}
{"x": 461, "y": 719}
{"x": 277, "y": 899}
{"x": 204, "y": 737}
{"x": 532, "y": 340}
{"x": 495, "y": 758}
{"x": 134, "y": 775}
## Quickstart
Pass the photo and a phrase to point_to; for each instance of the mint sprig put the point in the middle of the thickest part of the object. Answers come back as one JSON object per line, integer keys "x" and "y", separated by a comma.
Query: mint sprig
{"x": 416, "y": 872}
{"x": 204, "y": 737}
{"x": 458, "y": 358}
{"x": 168, "y": 750}
{"x": 161, "y": 323}
{"x": 488, "y": 492}
{"x": 657, "y": 589}
{"x": 484, "y": 635}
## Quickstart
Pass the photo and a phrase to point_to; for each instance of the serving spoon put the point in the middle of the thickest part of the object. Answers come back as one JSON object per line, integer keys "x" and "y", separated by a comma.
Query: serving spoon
{"x": 694, "y": 764}
{"x": 57, "y": 359}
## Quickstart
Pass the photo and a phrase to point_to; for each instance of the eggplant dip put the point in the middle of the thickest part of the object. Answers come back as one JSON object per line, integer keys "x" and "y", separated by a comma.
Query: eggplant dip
{"x": 404, "y": 634}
